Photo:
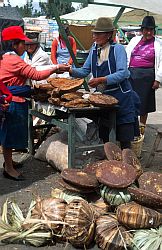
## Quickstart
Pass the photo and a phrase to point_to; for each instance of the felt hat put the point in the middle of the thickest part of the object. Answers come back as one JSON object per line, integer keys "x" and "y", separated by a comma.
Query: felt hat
{"x": 103, "y": 24}
{"x": 148, "y": 22}
{"x": 34, "y": 37}
{"x": 13, "y": 33}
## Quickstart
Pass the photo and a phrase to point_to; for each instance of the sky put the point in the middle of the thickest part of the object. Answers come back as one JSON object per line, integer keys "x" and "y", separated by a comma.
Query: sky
{"x": 23, "y": 2}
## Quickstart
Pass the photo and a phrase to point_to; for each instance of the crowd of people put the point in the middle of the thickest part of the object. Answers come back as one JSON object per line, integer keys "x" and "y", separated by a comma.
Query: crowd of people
{"x": 130, "y": 75}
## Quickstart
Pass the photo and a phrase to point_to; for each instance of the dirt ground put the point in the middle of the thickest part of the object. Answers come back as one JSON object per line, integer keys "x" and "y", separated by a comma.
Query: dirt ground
{"x": 41, "y": 177}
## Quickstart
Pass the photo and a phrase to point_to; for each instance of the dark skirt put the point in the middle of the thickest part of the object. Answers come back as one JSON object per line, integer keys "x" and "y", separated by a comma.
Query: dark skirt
{"x": 124, "y": 132}
{"x": 14, "y": 129}
{"x": 142, "y": 80}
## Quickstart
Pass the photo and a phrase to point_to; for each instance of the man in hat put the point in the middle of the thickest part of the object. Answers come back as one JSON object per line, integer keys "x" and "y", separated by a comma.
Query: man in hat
{"x": 107, "y": 62}
{"x": 145, "y": 65}
{"x": 36, "y": 55}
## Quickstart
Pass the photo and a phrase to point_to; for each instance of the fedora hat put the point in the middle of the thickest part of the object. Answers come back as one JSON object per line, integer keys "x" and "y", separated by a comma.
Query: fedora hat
{"x": 103, "y": 24}
{"x": 14, "y": 32}
{"x": 34, "y": 37}
{"x": 148, "y": 22}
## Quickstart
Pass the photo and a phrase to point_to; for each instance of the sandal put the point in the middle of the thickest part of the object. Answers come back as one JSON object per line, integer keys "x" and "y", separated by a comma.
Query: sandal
{"x": 142, "y": 129}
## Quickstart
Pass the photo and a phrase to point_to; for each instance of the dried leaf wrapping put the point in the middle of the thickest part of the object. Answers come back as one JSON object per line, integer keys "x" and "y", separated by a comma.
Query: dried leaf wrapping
{"x": 15, "y": 228}
{"x": 110, "y": 235}
{"x": 100, "y": 207}
{"x": 65, "y": 194}
{"x": 80, "y": 223}
{"x": 148, "y": 239}
{"x": 115, "y": 196}
{"x": 136, "y": 216}
{"x": 50, "y": 209}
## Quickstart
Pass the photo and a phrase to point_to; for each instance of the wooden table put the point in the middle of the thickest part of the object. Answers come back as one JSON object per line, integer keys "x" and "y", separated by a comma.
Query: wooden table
{"x": 65, "y": 119}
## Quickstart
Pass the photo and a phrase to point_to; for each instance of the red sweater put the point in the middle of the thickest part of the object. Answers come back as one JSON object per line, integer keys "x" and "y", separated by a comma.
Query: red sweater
{"x": 14, "y": 71}
{"x": 4, "y": 91}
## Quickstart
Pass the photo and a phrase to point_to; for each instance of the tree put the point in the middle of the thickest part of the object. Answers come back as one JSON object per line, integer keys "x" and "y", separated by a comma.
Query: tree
{"x": 8, "y": 1}
{"x": 62, "y": 7}
{"x": 27, "y": 9}
{"x": 46, "y": 9}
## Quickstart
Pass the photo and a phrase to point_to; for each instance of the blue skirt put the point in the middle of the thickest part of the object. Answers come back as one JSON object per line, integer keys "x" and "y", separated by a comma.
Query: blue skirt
{"x": 14, "y": 129}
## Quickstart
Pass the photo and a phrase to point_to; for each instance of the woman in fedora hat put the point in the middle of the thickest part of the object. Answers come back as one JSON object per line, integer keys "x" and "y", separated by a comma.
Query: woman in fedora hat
{"x": 107, "y": 62}
{"x": 14, "y": 73}
{"x": 145, "y": 64}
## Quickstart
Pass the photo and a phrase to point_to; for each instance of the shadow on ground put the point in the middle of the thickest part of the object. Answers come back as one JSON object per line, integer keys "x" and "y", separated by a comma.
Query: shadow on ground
{"x": 34, "y": 171}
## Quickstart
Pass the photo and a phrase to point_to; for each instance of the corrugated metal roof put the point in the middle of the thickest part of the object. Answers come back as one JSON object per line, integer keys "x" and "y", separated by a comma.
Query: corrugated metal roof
{"x": 8, "y": 12}
{"x": 9, "y": 16}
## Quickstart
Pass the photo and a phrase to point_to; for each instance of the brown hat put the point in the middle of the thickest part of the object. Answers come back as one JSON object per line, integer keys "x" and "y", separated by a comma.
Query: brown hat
{"x": 103, "y": 24}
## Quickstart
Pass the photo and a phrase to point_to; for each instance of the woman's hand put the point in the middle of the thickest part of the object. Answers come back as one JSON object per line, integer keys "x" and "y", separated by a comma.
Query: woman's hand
{"x": 155, "y": 85}
{"x": 96, "y": 81}
{"x": 5, "y": 106}
{"x": 62, "y": 68}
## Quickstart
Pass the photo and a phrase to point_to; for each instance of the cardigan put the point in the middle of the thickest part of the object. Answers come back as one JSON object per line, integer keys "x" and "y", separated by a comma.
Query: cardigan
{"x": 158, "y": 55}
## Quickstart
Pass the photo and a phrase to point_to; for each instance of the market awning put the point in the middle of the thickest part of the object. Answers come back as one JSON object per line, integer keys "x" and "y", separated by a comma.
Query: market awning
{"x": 93, "y": 12}
{"x": 154, "y": 6}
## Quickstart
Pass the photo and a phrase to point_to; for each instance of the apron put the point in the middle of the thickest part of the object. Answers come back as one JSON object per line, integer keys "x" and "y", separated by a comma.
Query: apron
{"x": 63, "y": 54}
{"x": 142, "y": 80}
{"x": 121, "y": 91}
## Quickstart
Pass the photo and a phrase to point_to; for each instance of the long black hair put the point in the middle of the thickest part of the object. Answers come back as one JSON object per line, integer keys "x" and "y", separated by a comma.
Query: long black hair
{"x": 8, "y": 46}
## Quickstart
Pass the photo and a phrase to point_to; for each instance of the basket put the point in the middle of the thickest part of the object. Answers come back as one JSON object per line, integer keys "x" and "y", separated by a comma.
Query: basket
{"x": 137, "y": 145}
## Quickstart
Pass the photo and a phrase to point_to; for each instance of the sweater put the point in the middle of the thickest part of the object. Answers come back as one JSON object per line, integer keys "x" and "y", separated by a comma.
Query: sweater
{"x": 14, "y": 71}
{"x": 158, "y": 55}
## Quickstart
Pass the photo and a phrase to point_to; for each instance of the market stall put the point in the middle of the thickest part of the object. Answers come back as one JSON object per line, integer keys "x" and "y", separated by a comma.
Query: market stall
{"x": 69, "y": 105}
